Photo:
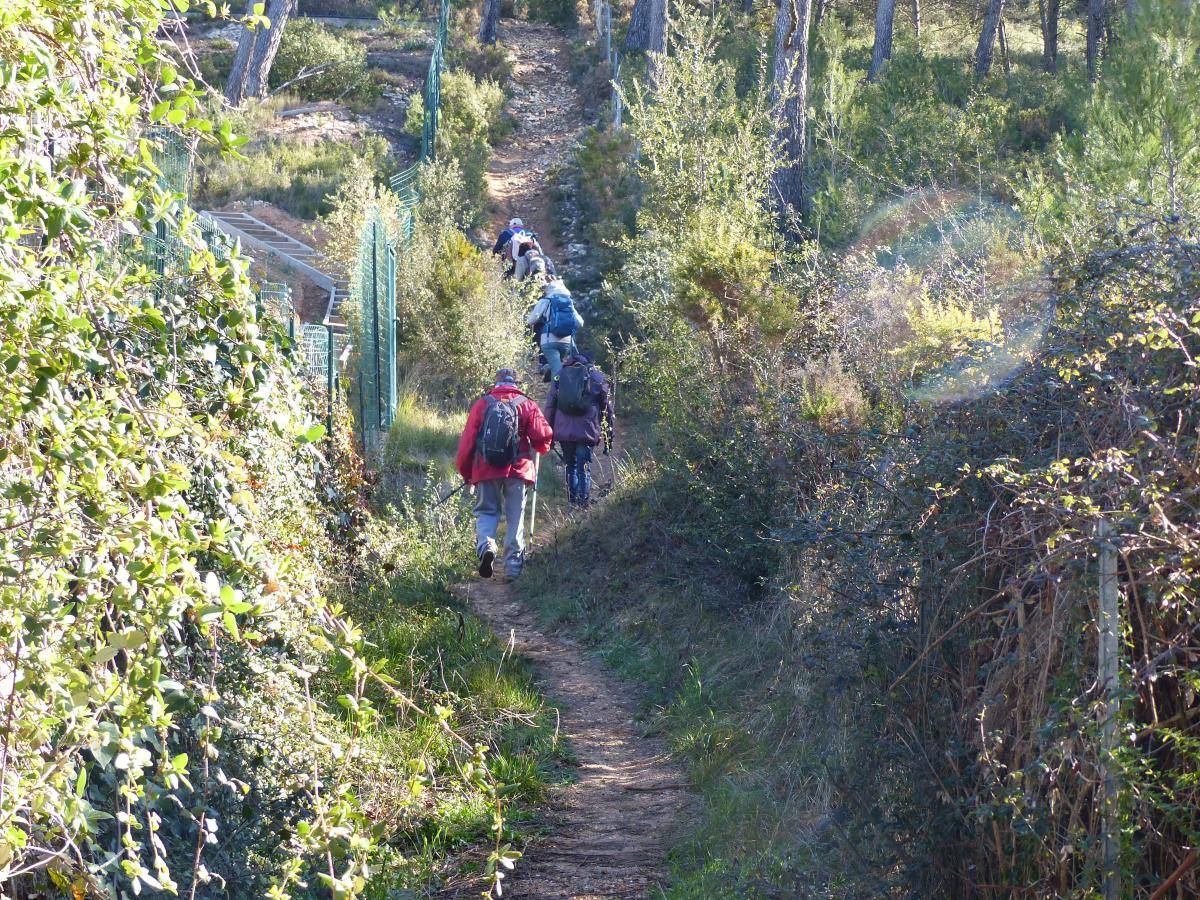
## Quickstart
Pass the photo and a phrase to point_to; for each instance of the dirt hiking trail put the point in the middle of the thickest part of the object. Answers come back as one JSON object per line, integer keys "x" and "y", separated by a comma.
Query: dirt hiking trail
{"x": 610, "y": 829}
{"x": 549, "y": 119}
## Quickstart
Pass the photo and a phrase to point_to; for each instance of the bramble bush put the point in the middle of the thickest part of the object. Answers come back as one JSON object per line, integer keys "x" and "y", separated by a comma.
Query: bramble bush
{"x": 187, "y": 705}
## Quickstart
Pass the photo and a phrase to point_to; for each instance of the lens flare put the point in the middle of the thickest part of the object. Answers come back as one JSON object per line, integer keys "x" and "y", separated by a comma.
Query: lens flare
{"x": 957, "y": 302}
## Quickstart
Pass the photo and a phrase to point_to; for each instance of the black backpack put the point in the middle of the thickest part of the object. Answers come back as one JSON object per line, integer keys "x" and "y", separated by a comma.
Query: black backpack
{"x": 499, "y": 433}
{"x": 574, "y": 390}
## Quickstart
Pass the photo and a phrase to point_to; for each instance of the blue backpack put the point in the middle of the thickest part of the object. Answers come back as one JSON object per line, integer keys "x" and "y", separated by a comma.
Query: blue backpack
{"x": 560, "y": 318}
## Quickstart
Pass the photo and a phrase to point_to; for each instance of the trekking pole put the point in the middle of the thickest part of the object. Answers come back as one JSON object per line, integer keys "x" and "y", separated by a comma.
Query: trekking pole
{"x": 537, "y": 458}
{"x": 448, "y": 496}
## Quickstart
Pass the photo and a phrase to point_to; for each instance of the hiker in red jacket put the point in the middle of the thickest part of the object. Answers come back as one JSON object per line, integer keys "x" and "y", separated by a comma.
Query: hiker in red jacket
{"x": 496, "y": 454}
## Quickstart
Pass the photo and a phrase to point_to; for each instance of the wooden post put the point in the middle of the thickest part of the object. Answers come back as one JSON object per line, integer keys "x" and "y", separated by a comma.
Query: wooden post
{"x": 1108, "y": 658}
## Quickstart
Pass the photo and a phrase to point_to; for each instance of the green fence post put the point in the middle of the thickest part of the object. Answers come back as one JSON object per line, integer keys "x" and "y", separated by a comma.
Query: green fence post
{"x": 330, "y": 365}
{"x": 389, "y": 288}
{"x": 375, "y": 320}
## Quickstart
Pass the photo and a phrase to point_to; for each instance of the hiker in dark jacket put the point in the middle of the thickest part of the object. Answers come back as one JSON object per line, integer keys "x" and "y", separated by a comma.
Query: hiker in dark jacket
{"x": 505, "y": 237}
{"x": 580, "y": 410}
{"x": 501, "y": 484}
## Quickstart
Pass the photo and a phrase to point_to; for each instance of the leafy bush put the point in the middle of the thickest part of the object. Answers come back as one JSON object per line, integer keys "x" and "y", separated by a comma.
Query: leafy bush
{"x": 607, "y": 192}
{"x": 945, "y": 334}
{"x": 181, "y": 683}
{"x": 829, "y": 396}
{"x": 472, "y": 119}
{"x": 564, "y": 13}
{"x": 484, "y": 62}
{"x": 322, "y": 63}
{"x": 293, "y": 174}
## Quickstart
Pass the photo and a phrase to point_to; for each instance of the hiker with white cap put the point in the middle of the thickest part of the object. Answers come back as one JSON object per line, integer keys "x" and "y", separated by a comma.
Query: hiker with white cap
{"x": 506, "y": 236}
{"x": 555, "y": 313}
{"x": 497, "y": 453}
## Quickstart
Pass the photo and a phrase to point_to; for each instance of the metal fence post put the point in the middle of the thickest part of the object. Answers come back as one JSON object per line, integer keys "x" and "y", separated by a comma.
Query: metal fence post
{"x": 389, "y": 288}
{"x": 375, "y": 320}
{"x": 330, "y": 365}
{"x": 616, "y": 93}
{"x": 1108, "y": 650}
{"x": 608, "y": 32}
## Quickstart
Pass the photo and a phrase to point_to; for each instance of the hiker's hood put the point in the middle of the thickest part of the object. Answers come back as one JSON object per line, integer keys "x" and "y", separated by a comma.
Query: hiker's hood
{"x": 556, "y": 288}
{"x": 506, "y": 390}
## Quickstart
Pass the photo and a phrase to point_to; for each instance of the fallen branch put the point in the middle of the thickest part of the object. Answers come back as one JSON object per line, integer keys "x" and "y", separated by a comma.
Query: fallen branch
{"x": 306, "y": 72}
{"x": 1188, "y": 862}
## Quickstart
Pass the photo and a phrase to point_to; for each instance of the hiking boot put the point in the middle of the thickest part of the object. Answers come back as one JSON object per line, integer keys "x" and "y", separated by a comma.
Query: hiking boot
{"x": 486, "y": 558}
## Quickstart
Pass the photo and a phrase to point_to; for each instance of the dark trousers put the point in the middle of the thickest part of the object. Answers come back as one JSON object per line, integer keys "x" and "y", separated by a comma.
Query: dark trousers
{"x": 578, "y": 457}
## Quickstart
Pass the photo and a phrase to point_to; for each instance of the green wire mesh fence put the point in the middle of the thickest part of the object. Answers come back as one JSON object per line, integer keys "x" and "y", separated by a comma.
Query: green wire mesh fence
{"x": 373, "y": 288}
{"x": 322, "y": 348}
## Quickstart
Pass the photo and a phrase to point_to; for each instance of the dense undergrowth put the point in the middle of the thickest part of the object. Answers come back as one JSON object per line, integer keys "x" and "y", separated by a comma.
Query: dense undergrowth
{"x": 855, "y": 558}
{"x": 226, "y": 666}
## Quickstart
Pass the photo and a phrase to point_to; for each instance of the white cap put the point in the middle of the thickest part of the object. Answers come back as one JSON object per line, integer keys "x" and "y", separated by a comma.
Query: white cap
{"x": 515, "y": 223}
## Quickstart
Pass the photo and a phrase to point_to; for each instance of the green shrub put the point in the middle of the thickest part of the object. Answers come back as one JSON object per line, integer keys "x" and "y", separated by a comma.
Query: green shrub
{"x": 472, "y": 119}
{"x": 564, "y": 13}
{"x": 295, "y": 175}
{"x": 405, "y": 27}
{"x": 214, "y": 61}
{"x": 333, "y": 67}
{"x": 608, "y": 192}
{"x": 485, "y": 62}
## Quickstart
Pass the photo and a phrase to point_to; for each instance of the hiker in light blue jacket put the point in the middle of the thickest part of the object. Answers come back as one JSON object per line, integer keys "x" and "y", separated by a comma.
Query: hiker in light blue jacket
{"x": 559, "y": 321}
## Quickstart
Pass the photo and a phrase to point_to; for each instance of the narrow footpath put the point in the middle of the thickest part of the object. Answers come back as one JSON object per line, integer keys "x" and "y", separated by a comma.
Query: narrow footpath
{"x": 549, "y": 119}
{"x": 609, "y": 829}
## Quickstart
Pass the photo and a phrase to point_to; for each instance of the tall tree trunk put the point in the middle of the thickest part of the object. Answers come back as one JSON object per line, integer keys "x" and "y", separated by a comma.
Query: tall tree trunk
{"x": 489, "y": 21}
{"x": 1095, "y": 34}
{"x": 1003, "y": 36}
{"x": 1049, "y": 16}
{"x": 657, "y": 42}
{"x": 818, "y": 16}
{"x": 916, "y": 20}
{"x": 987, "y": 37}
{"x": 791, "y": 87}
{"x": 267, "y": 48}
{"x": 235, "y": 84}
{"x": 638, "y": 36}
{"x": 658, "y": 27}
{"x": 885, "y": 20}
{"x": 256, "y": 54}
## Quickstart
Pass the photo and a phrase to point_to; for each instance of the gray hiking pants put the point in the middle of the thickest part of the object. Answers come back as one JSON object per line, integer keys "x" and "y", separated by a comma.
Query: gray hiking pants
{"x": 502, "y": 496}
